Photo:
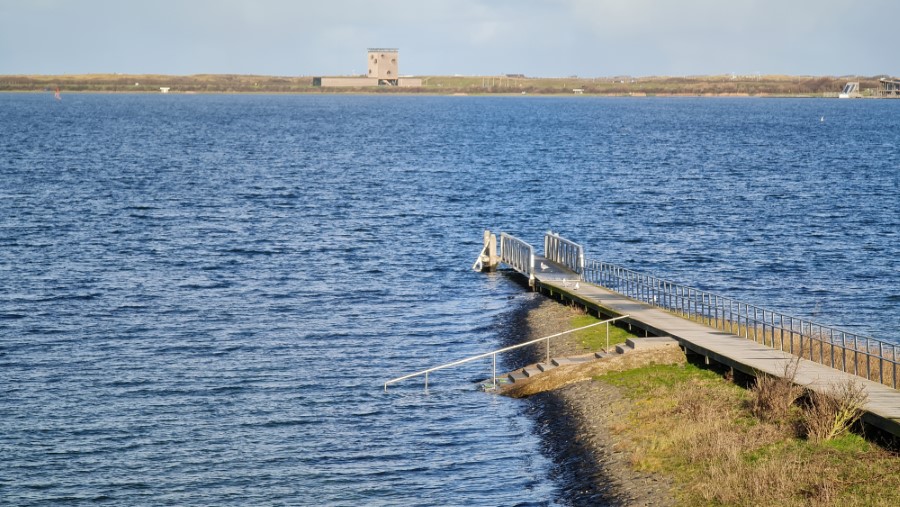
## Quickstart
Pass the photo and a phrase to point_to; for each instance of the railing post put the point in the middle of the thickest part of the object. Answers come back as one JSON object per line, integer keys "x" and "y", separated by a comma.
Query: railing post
{"x": 607, "y": 338}
{"x": 531, "y": 266}
{"x": 494, "y": 369}
{"x": 547, "y": 240}
{"x": 581, "y": 261}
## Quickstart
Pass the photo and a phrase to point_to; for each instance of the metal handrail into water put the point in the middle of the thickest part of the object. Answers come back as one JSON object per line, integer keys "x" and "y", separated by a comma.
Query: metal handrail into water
{"x": 837, "y": 348}
{"x": 517, "y": 254}
{"x": 493, "y": 354}
{"x": 563, "y": 251}
{"x": 479, "y": 263}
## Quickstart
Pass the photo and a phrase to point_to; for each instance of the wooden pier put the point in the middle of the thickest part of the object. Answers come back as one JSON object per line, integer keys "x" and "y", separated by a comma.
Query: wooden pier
{"x": 561, "y": 272}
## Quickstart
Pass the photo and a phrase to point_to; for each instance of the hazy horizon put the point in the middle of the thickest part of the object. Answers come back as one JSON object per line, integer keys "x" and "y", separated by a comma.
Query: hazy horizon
{"x": 537, "y": 38}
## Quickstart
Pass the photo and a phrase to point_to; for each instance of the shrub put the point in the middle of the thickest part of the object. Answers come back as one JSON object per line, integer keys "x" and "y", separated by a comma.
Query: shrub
{"x": 831, "y": 414}
{"x": 772, "y": 397}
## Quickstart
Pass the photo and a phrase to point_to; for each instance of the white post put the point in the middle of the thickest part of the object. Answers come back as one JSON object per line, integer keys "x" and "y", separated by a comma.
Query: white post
{"x": 494, "y": 369}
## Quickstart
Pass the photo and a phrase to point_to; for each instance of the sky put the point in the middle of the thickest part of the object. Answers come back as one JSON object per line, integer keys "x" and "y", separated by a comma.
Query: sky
{"x": 538, "y": 38}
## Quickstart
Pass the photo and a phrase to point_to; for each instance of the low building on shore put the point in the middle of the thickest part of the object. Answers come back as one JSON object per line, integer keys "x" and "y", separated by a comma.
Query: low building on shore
{"x": 890, "y": 88}
{"x": 383, "y": 65}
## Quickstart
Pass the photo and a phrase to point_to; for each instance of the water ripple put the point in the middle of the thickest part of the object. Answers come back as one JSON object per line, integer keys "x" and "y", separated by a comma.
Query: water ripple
{"x": 204, "y": 294}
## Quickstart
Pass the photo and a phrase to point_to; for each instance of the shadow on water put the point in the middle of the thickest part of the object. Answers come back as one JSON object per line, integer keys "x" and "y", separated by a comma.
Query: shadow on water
{"x": 575, "y": 471}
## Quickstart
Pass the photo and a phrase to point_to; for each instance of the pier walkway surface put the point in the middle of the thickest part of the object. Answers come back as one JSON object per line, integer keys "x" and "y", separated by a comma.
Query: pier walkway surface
{"x": 561, "y": 273}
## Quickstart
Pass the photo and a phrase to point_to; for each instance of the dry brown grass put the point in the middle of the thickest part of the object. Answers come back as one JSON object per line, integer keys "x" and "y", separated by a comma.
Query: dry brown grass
{"x": 624, "y": 86}
{"x": 832, "y": 414}
{"x": 772, "y": 397}
{"x": 696, "y": 427}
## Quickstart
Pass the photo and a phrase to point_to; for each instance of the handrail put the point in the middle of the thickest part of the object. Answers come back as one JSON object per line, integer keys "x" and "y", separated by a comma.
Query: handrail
{"x": 840, "y": 349}
{"x": 563, "y": 251}
{"x": 479, "y": 264}
{"x": 493, "y": 354}
{"x": 517, "y": 254}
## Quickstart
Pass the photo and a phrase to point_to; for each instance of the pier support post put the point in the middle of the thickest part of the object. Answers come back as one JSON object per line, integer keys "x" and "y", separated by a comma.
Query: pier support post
{"x": 490, "y": 259}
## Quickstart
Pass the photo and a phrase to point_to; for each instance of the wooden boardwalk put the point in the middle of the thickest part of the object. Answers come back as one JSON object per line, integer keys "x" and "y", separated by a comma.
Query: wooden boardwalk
{"x": 744, "y": 355}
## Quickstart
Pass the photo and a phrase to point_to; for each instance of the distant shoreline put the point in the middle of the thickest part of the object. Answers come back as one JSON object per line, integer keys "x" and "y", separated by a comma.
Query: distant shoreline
{"x": 698, "y": 86}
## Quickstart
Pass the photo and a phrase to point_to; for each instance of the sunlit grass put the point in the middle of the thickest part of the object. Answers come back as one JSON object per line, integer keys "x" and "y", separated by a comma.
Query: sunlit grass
{"x": 697, "y": 427}
{"x": 595, "y": 338}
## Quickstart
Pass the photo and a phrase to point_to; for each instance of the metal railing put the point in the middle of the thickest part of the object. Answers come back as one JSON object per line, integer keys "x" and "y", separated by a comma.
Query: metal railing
{"x": 479, "y": 262}
{"x": 493, "y": 354}
{"x": 517, "y": 254}
{"x": 563, "y": 251}
{"x": 849, "y": 352}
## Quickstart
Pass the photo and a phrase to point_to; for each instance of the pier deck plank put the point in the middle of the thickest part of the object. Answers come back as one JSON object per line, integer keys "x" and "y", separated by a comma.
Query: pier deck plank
{"x": 882, "y": 407}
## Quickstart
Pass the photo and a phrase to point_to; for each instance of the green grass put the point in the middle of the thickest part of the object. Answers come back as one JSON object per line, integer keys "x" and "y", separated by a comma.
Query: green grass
{"x": 594, "y": 339}
{"x": 641, "y": 381}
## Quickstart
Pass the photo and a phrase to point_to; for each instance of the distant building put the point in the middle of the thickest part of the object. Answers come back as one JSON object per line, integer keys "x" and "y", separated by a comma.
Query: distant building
{"x": 850, "y": 91}
{"x": 384, "y": 65}
{"x": 346, "y": 82}
{"x": 890, "y": 88}
{"x": 383, "y": 70}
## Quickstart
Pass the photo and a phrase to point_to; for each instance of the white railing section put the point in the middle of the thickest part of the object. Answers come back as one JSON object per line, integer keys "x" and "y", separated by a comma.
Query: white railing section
{"x": 563, "y": 251}
{"x": 517, "y": 254}
{"x": 849, "y": 352}
{"x": 493, "y": 354}
{"x": 479, "y": 262}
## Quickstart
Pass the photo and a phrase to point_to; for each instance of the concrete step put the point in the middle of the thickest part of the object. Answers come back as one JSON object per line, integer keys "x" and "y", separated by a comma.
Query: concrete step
{"x": 624, "y": 349}
{"x": 564, "y": 361}
{"x": 600, "y": 355}
{"x": 653, "y": 342}
{"x": 546, "y": 366}
{"x": 531, "y": 371}
{"x": 515, "y": 376}
{"x": 649, "y": 343}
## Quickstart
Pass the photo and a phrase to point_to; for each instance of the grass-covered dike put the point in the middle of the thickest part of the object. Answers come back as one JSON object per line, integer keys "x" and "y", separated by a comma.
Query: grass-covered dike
{"x": 699, "y": 429}
{"x": 651, "y": 428}
{"x": 720, "y": 85}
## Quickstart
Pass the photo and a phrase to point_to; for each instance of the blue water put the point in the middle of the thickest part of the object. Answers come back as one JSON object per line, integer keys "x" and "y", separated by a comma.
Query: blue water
{"x": 201, "y": 296}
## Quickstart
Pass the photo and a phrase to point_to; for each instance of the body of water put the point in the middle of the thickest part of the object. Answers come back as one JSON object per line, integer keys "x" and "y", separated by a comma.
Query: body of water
{"x": 202, "y": 295}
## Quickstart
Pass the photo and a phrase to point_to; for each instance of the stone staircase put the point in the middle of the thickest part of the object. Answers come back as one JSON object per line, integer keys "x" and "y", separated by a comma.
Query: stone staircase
{"x": 530, "y": 371}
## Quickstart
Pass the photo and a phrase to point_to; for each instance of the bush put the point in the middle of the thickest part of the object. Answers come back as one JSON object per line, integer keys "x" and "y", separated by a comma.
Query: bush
{"x": 772, "y": 397}
{"x": 829, "y": 415}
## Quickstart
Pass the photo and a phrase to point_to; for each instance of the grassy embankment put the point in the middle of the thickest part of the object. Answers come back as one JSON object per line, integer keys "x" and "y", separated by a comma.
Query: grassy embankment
{"x": 653, "y": 85}
{"x": 711, "y": 437}
{"x": 595, "y": 338}
{"x": 695, "y": 426}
